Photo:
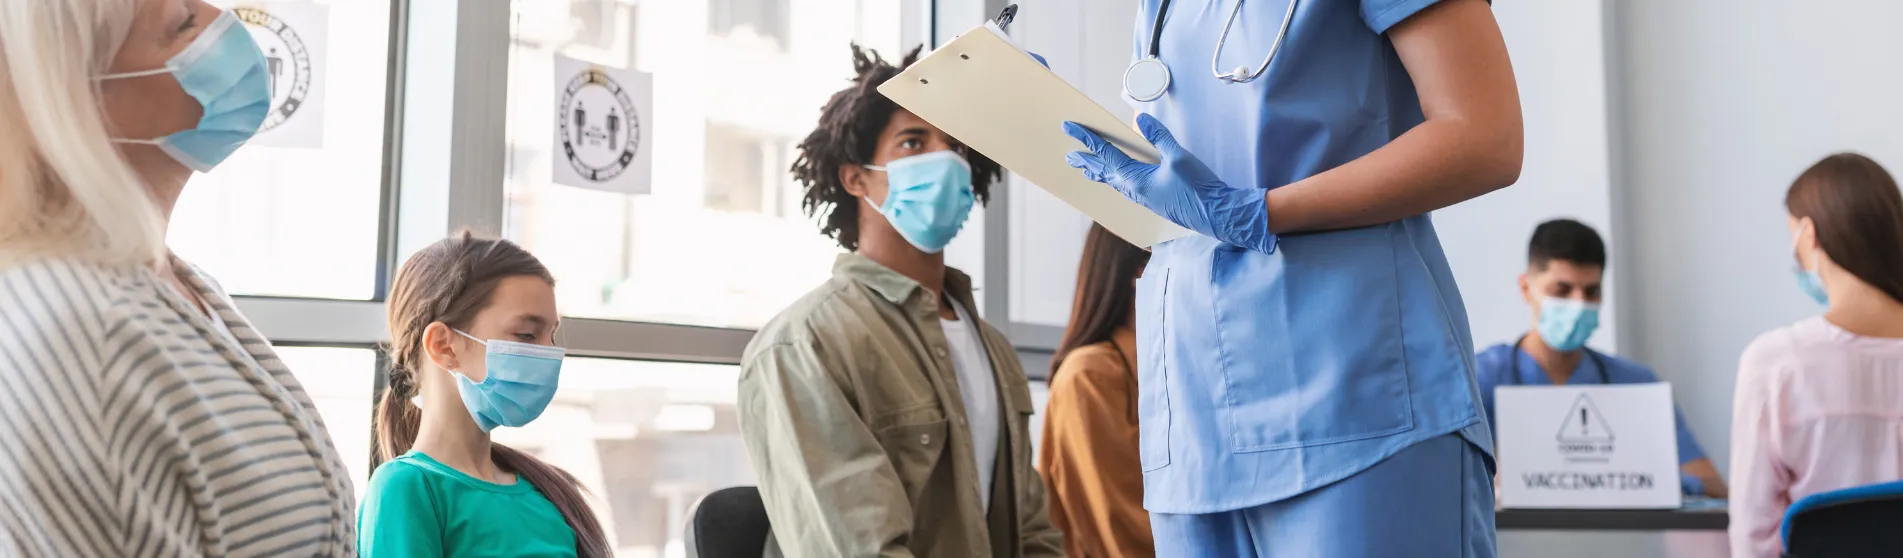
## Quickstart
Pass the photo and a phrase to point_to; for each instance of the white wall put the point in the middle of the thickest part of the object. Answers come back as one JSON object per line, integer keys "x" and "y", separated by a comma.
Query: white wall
{"x": 1721, "y": 104}
{"x": 1557, "y": 47}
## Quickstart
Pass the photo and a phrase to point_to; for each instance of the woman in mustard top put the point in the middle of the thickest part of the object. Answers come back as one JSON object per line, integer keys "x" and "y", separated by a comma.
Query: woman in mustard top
{"x": 1089, "y": 459}
{"x": 472, "y": 329}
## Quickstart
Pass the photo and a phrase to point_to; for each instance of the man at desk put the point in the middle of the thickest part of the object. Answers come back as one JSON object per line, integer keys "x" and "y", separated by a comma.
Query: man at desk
{"x": 1566, "y": 263}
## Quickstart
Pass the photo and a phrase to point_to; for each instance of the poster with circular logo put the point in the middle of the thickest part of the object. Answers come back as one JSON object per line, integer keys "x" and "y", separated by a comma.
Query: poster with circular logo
{"x": 601, "y": 122}
{"x": 292, "y": 36}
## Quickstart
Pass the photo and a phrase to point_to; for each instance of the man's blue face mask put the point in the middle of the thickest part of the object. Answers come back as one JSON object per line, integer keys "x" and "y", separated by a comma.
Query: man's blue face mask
{"x": 928, "y": 197}
{"x": 1566, "y": 324}
{"x": 224, "y": 70}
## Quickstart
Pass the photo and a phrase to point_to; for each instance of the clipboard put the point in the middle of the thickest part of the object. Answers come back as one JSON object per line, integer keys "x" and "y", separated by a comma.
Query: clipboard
{"x": 992, "y": 96}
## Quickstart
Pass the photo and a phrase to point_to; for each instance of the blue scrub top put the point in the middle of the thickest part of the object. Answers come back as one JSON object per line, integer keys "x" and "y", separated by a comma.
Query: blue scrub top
{"x": 1506, "y": 365}
{"x": 1265, "y": 376}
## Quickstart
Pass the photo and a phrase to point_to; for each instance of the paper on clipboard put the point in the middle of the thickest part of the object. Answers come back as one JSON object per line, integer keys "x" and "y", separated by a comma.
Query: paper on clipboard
{"x": 986, "y": 92}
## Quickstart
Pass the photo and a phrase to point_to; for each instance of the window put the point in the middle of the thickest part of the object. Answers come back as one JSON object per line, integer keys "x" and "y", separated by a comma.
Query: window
{"x": 742, "y": 169}
{"x": 297, "y": 212}
{"x": 1047, "y": 243}
{"x": 749, "y": 20}
{"x": 720, "y": 240}
{"x": 647, "y": 439}
{"x": 342, "y": 382}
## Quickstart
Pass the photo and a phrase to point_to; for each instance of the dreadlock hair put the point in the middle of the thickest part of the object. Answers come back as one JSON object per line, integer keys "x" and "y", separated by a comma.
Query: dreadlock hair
{"x": 848, "y": 134}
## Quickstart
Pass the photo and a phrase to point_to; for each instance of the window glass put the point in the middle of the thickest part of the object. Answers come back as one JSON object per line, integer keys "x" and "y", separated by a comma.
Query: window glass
{"x": 721, "y": 240}
{"x": 342, "y": 382}
{"x": 1047, "y": 242}
{"x": 646, "y": 439}
{"x": 297, "y": 211}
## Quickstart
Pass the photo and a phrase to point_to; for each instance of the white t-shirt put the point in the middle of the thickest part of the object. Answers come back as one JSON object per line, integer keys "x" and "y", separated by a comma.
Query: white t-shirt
{"x": 980, "y": 391}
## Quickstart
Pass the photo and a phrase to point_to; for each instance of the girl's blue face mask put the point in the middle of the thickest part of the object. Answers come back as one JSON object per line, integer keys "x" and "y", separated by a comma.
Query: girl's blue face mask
{"x": 928, "y": 197}
{"x": 519, "y": 384}
{"x": 224, "y": 70}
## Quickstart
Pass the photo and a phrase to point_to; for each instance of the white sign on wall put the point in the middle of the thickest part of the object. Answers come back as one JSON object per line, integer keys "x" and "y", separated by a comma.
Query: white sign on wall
{"x": 603, "y": 127}
{"x": 1585, "y": 447}
{"x": 294, "y": 36}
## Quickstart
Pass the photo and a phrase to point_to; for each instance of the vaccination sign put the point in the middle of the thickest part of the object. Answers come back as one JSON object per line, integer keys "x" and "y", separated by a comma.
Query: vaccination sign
{"x": 293, "y": 36}
{"x": 603, "y": 127}
{"x": 1602, "y": 446}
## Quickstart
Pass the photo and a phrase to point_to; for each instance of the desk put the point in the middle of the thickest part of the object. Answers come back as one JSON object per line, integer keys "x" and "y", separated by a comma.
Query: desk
{"x": 1685, "y": 533}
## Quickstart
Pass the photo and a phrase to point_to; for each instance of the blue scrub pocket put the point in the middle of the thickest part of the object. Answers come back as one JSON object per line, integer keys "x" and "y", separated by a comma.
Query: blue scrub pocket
{"x": 1309, "y": 340}
{"x": 1153, "y": 398}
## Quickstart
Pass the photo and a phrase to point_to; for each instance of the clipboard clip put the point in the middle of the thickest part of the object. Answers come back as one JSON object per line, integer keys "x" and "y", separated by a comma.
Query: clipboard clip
{"x": 1005, "y": 16}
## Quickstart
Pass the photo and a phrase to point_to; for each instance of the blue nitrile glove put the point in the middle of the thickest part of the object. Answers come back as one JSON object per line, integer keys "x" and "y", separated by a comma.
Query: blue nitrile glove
{"x": 1690, "y": 484}
{"x": 1181, "y": 188}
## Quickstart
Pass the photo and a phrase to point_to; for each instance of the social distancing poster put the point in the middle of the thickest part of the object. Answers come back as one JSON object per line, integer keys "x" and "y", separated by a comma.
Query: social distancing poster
{"x": 294, "y": 36}
{"x": 603, "y": 127}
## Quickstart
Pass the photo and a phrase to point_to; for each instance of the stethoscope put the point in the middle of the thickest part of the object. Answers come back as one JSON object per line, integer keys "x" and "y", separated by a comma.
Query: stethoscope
{"x": 1597, "y": 362}
{"x": 1147, "y": 79}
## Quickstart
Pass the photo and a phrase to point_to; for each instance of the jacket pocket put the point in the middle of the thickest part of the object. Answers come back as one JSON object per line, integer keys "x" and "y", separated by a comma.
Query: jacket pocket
{"x": 914, "y": 448}
{"x": 1153, "y": 399}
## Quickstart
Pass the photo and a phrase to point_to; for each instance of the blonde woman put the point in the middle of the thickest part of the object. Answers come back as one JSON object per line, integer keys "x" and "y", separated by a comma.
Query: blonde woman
{"x": 140, "y": 414}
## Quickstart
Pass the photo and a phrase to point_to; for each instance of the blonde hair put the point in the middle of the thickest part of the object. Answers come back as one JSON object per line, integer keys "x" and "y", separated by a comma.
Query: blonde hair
{"x": 65, "y": 189}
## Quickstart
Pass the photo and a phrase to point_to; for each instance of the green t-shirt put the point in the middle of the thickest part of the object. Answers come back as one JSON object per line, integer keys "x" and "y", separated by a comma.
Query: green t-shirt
{"x": 417, "y": 507}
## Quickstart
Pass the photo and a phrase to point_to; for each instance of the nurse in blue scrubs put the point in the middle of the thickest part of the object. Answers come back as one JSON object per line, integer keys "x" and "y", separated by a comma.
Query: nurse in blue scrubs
{"x": 1566, "y": 263}
{"x": 1307, "y": 383}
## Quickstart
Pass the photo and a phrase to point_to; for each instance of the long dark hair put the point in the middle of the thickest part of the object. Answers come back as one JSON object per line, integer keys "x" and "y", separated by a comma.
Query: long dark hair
{"x": 450, "y": 282}
{"x": 1106, "y": 292}
{"x": 1858, "y": 213}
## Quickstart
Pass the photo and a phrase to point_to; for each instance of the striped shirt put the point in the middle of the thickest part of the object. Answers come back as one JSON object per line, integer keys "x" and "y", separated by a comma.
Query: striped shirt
{"x": 131, "y": 426}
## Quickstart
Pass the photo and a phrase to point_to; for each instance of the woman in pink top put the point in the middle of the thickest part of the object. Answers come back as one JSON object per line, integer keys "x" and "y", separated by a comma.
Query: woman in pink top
{"x": 1820, "y": 402}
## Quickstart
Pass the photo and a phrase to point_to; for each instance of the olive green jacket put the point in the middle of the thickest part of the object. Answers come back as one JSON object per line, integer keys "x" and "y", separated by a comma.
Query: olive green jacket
{"x": 854, "y": 422}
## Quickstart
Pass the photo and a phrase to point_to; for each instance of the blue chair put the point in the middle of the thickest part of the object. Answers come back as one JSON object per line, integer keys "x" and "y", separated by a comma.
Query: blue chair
{"x": 730, "y": 523}
{"x": 1857, "y": 521}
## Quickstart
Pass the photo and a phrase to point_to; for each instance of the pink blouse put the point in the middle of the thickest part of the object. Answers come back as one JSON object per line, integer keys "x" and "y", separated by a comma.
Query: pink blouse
{"x": 1817, "y": 409}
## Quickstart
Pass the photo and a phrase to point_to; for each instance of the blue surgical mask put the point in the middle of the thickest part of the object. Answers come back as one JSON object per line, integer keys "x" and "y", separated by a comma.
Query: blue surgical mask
{"x": 225, "y": 71}
{"x": 1813, "y": 284}
{"x": 519, "y": 383}
{"x": 1566, "y": 324}
{"x": 928, "y": 197}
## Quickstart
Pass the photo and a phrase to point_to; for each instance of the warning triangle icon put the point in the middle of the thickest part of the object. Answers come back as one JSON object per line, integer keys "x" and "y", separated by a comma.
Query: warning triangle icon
{"x": 1584, "y": 424}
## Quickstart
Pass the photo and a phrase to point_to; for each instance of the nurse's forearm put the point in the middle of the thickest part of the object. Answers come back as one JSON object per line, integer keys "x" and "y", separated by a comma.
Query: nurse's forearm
{"x": 1470, "y": 143}
{"x": 1435, "y": 165}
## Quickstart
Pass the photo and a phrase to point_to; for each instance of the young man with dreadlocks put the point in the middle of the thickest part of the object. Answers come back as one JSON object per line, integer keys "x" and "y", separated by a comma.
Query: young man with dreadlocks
{"x": 882, "y": 416}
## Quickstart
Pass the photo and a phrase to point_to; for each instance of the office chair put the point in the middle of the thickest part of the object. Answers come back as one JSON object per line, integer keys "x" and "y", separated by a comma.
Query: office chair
{"x": 729, "y": 523}
{"x": 1857, "y": 521}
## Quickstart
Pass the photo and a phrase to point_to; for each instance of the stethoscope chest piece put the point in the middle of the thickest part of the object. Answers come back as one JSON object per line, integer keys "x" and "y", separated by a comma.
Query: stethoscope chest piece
{"x": 1147, "y": 79}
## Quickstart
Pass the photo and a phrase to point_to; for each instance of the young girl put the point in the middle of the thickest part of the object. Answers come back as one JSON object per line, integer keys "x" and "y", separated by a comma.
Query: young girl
{"x": 472, "y": 328}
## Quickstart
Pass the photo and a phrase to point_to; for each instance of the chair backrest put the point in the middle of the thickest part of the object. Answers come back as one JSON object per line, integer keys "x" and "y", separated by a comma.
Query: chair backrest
{"x": 730, "y": 523}
{"x": 1857, "y": 521}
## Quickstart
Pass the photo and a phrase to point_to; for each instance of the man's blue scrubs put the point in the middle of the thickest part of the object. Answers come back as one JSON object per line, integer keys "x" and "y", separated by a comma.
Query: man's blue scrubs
{"x": 1507, "y": 365}
{"x": 1320, "y": 400}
